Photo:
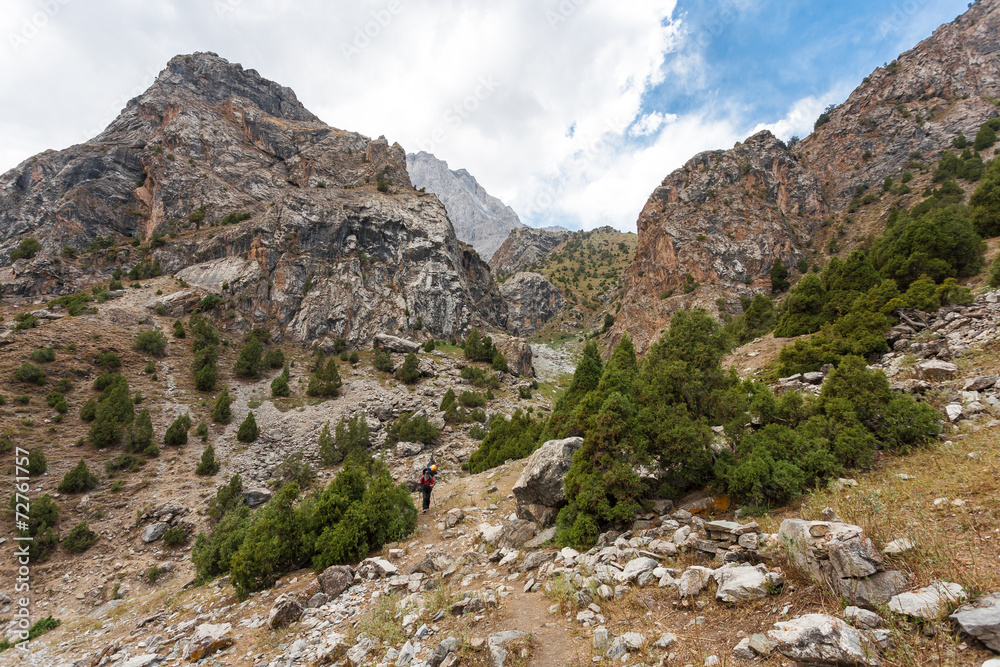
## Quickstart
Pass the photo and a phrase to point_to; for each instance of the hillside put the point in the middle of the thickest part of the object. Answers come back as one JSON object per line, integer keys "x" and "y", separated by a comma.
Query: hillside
{"x": 480, "y": 219}
{"x": 309, "y": 230}
{"x": 791, "y": 199}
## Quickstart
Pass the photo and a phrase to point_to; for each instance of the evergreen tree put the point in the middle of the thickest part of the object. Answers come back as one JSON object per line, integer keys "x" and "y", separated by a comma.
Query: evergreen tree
{"x": 779, "y": 277}
{"x": 586, "y": 377}
{"x": 984, "y": 206}
{"x": 208, "y": 465}
{"x": 248, "y": 429}
{"x": 408, "y": 372}
{"x": 325, "y": 382}
{"x": 804, "y": 308}
{"x": 279, "y": 385}
{"x": 248, "y": 364}
{"x": 141, "y": 438}
{"x": 222, "y": 412}
{"x": 449, "y": 402}
{"x": 177, "y": 432}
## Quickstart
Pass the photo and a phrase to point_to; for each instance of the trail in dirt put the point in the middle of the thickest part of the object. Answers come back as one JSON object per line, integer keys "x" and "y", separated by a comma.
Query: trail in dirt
{"x": 553, "y": 641}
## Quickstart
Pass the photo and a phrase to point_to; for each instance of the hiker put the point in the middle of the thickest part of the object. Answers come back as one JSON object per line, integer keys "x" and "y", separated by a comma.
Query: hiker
{"x": 426, "y": 484}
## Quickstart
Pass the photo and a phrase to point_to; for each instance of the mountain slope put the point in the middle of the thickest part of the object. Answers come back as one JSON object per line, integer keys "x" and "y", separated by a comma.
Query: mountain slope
{"x": 714, "y": 228}
{"x": 481, "y": 220}
{"x": 225, "y": 174}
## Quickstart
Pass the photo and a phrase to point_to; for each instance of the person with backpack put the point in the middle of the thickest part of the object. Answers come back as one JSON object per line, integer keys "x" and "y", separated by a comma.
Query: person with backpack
{"x": 426, "y": 484}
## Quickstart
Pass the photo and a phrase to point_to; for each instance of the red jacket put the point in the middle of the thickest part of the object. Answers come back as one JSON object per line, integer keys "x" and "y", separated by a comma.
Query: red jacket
{"x": 426, "y": 482}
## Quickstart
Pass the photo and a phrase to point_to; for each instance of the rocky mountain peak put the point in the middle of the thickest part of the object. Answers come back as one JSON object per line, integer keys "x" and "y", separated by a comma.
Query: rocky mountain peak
{"x": 480, "y": 219}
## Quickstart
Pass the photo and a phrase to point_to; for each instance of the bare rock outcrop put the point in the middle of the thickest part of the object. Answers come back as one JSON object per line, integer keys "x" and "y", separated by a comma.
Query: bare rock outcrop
{"x": 531, "y": 302}
{"x": 524, "y": 247}
{"x": 539, "y": 490}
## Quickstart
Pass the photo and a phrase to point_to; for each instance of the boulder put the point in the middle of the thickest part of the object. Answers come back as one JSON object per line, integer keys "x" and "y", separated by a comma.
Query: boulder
{"x": 176, "y": 304}
{"x": 395, "y": 344}
{"x": 285, "y": 610}
{"x": 376, "y": 568}
{"x": 539, "y": 490}
{"x": 517, "y": 352}
{"x": 498, "y": 642}
{"x": 635, "y": 568}
{"x": 741, "y": 582}
{"x": 818, "y": 639}
{"x": 928, "y": 602}
{"x": 627, "y": 643}
{"x": 841, "y": 556}
{"x": 693, "y": 580}
{"x": 981, "y": 620}
{"x": 154, "y": 531}
{"x": 207, "y": 639}
{"x": 335, "y": 580}
{"x": 515, "y": 533}
{"x": 453, "y": 517}
{"x": 256, "y": 497}
{"x": 980, "y": 383}
{"x": 863, "y": 618}
{"x": 935, "y": 370}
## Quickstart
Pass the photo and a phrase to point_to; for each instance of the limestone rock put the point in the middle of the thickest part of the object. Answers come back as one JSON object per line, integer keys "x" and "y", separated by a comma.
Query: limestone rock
{"x": 154, "y": 531}
{"x": 498, "y": 643}
{"x": 741, "y": 582}
{"x": 396, "y": 344}
{"x": 935, "y": 370}
{"x": 286, "y": 610}
{"x": 525, "y": 246}
{"x": 336, "y": 579}
{"x": 481, "y": 220}
{"x": 981, "y": 620}
{"x": 515, "y": 533}
{"x": 928, "y": 602}
{"x": 818, "y": 639}
{"x": 539, "y": 490}
{"x": 864, "y": 618}
{"x": 207, "y": 639}
{"x": 531, "y": 302}
{"x": 255, "y": 497}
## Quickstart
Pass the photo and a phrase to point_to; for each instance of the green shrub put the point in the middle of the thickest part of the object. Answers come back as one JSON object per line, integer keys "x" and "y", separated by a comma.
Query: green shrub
{"x": 408, "y": 373}
{"x": 57, "y": 401}
{"x": 43, "y": 355}
{"x": 471, "y": 399}
{"x": 779, "y": 277}
{"x": 78, "y": 480}
{"x": 984, "y": 205}
{"x": 37, "y": 464}
{"x": 179, "y": 329}
{"x": 124, "y": 462}
{"x": 175, "y": 536}
{"x": 208, "y": 465}
{"x": 248, "y": 365}
{"x": 524, "y": 392}
{"x": 479, "y": 348}
{"x": 479, "y": 378}
{"x": 151, "y": 342}
{"x": 29, "y": 373}
{"x": 209, "y": 302}
{"x": 26, "y": 249}
{"x": 350, "y": 435}
{"x": 141, "y": 439}
{"x": 449, "y": 401}
{"x": 177, "y": 432}
{"x": 279, "y": 385}
{"x": 205, "y": 378}
{"x": 201, "y": 430}
{"x": 382, "y": 361}
{"x": 411, "y": 428}
{"x": 353, "y": 357}
{"x": 248, "y": 429}
{"x": 109, "y": 360}
{"x": 275, "y": 358}
{"x": 89, "y": 410}
{"x": 994, "y": 277}
{"x": 325, "y": 382}
{"x": 222, "y": 412}
{"x": 804, "y": 309}
{"x": 508, "y": 439}
{"x": 941, "y": 243}
{"x": 80, "y": 538}
{"x": 985, "y": 138}
{"x": 293, "y": 468}
{"x": 430, "y": 346}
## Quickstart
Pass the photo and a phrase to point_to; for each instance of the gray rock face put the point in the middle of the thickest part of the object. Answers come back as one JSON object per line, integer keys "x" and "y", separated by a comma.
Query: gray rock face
{"x": 842, "y": 557}
{"x": 928, "y": 602}
{"x": 539, "y": 490}
{"x": 981, "y": 620}
{"x": 524, "y": 247}
{"x": 154, "y": 531}
{"x": 335, "y": 580}
{"x": 286, "y": 609}
{"x": 481, "y": 220}
{"x": 337, "y": 243}
{"x": 739, "y": 583}
{"x": 531, "y": 302}
{"x": 818, "y": 639}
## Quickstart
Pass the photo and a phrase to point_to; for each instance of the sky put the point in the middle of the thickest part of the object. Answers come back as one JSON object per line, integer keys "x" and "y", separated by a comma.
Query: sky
{"x": 571, "y": 111}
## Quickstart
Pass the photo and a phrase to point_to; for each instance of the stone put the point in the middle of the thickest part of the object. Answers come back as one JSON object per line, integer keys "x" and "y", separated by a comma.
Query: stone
{"x": 954, "y": 411}
{"x": 154, "y": 532}
{"x": 539, "y": 489}
{"x": 743, "y": 651}
{"x": 208, "y": 639}
{"x": 627, "y": 643}
{"x": 535, "y": 559}
{"x": 666, "y": 640}
{"x": 899, "y": 546}
{"x": 523, "y": 247}
{"x": 376, "y": 568}
{"x": 406, "y": 655}
{"x": 928, "y": 602}
{"x": 498, "y": 643}
{"x": 602, "y": 638}
{"x": 453, "y": 517}
{"x": 255, "y": 497}
{"x": 818, "y": 639}
{"x": 863, "y": 618}
{"x": 813, "y": 378}
{"x": 395, "y": 344}
{"x": 981, "y": 620}
{"x": 761, "y": 645}
{"x": 694, "y": 579}
{"x": 712, "y": 661}
{"x": 336, "y": 579}
{"x": 541, "y": 538}
{"x": 318, "y": 600}
{"x": 442, "y": 650}
{"x": 980, "y": 383}
{"x": 637, "y": 567}
{"x": 935, "y": 370}
{"x": 407, "y": 449}
{"x": 741, "y": 582}
{"x": 285, "y": 610}
{"x": 144, "y": 660}
{"x": 468, "y": 605}
{"x": 532, "y": 301}
{"x": 662, "y": 548}
{"x": 515, "y": 533}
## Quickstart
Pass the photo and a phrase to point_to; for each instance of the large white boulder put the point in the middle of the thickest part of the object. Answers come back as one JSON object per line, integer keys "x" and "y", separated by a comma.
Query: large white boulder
{"x": 539, "y": 490}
